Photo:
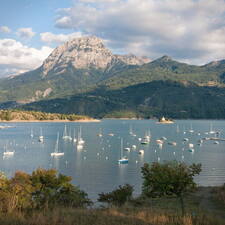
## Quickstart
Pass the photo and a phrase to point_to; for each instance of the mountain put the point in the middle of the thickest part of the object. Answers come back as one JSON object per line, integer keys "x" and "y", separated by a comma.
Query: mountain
{"x": 71, "y": 68}
{"x": 82, "y": 76}
{"x": 85, "y": 53}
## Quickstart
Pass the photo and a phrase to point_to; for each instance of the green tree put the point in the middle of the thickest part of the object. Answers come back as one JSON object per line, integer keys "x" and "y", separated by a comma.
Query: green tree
{"x": 51, "y": 189}
{"x": 169, "y": 179}
{"x": 42, "y": 189}
{"x": 117, "y": 197}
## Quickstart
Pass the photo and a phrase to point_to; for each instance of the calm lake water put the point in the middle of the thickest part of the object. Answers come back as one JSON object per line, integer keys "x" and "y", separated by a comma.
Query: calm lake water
{"x": 95, "y": 168}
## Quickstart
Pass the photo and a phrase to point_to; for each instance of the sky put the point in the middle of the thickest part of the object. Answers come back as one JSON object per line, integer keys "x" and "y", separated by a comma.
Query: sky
{"x": 191, "y": 31}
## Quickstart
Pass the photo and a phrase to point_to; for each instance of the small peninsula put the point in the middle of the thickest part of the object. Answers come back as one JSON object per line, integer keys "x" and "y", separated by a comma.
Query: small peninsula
{"x": 35, "y": 116}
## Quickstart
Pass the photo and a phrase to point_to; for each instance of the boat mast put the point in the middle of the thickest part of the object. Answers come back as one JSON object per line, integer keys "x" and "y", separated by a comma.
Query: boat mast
{"x": 121, "y": 150}
{"x": 57, "y": 143}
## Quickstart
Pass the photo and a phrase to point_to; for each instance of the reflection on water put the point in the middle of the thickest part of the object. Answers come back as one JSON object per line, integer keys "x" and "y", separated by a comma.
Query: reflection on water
{"x": 95, "y": 167}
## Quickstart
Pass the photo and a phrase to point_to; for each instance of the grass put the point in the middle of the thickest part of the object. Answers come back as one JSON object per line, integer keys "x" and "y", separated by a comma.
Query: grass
{"x": 202, "y": 208}
{"x": 112, "y": 216}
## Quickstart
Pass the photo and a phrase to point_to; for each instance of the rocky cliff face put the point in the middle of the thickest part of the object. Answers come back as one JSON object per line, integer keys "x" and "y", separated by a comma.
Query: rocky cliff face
{"x": 85, "y": 53}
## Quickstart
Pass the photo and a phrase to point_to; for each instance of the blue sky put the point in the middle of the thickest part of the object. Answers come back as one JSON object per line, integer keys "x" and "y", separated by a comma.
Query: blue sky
{"x": 39, "y": 15}
{"x": 191, "y": 31}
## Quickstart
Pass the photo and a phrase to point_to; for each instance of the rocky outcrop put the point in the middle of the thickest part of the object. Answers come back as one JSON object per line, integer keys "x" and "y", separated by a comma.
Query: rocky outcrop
{"x": 133, "y": 60}
{"x": 85, "y": 53}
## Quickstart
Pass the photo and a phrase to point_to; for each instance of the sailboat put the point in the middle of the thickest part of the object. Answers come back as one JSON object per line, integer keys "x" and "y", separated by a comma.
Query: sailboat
{"x": 80, "y": 140}
{"x": 74, "y": 137}
{"x": 146, "y": 139}
{"x": 56, "y": 153}
{"x": 211, "y": 129}
{"x": 7, "y": 152}
{"x": 65, "y": 135}
{"x": 100, "y": 133}
{"x": 131, "y": 131}
{"x": 41, "y": 137}
{"x": 31, "y": 133}
{"x": 184, "y": 132}
{"x": 123, "y": 159}
{"x": 191, "y": 130}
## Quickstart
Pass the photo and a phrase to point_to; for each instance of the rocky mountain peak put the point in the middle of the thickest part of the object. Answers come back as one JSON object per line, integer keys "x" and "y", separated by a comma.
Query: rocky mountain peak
{"x": 85, "y": 53}
{"x": 81, "y": 53}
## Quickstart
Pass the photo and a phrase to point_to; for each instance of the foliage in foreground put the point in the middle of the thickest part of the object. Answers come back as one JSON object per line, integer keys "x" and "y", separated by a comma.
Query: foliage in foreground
{"x": 41, "y": 189}
{"x": 117, "y": 197}
{"x": 169, "y": 179}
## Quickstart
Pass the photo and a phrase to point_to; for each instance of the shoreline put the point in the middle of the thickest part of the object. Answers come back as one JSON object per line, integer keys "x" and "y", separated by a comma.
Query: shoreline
{"x": 51, "y": 121}
{"x": 155, "y": 119}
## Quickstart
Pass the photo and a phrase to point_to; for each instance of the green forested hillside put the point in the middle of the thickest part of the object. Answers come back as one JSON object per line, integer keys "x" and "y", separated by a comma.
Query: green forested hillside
{"x": 165, "y": 68}
{"x": 153, "y": 99}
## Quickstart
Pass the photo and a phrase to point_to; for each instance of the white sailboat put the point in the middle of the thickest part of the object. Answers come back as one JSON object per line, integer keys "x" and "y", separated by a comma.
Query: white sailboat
{"x": 74, "y": 136}
{"x": 7, "y": 152}
{"x": 184, "y": 132}
{"x": 131, "y": 131}
{"x": 80, "y": 140}
{"x": 56, "y": 153}
{"x": 31, "y": 133}
{"x": 211, "y": 129}
{"x": 191, "y": 130}
{"x": 123, "y": 159}
{"x": 41, "y": 137}
{"x": 65, "y": 135}
{"x": 100, "y": 132}
{"x": 146, "y": 139}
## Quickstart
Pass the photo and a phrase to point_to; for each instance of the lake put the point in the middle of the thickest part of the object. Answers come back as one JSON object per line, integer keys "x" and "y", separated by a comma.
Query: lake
{"x": 95, "y": 168}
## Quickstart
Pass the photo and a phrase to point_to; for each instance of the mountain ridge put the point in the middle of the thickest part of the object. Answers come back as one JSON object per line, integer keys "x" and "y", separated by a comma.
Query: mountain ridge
{"x": 85, "y": 65}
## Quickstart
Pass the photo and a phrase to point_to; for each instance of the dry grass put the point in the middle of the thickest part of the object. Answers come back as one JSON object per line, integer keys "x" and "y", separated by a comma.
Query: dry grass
{"x": 219, "y": 194}
{"x": 114, "y": 216}
{"x": 163, "y": 211}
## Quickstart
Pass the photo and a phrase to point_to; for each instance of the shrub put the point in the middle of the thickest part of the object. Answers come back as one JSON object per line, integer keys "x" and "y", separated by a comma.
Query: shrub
{"x": 117, "y": 197}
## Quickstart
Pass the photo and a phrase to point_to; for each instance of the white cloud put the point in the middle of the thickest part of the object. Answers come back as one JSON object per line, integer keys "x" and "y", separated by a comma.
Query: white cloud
{"x": 186, "y": 29}
{"x": 49, "y": 37}
{"x": 16, "y": 57}
{"x": 99, "y": 1}
{"x": 5, "y": 29}
{"x": 64, "y": 22}
{"x": 26, "y": 33}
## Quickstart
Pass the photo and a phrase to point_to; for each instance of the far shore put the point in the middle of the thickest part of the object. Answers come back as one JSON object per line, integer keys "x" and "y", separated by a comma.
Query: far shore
{"x": 50, "y": 121}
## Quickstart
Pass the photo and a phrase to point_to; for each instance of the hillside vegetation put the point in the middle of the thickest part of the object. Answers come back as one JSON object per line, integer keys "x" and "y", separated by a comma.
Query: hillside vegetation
{"x": 18, "y": 115}
{"x": 147, "y": 100}
{"x": 166, "y": 68}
